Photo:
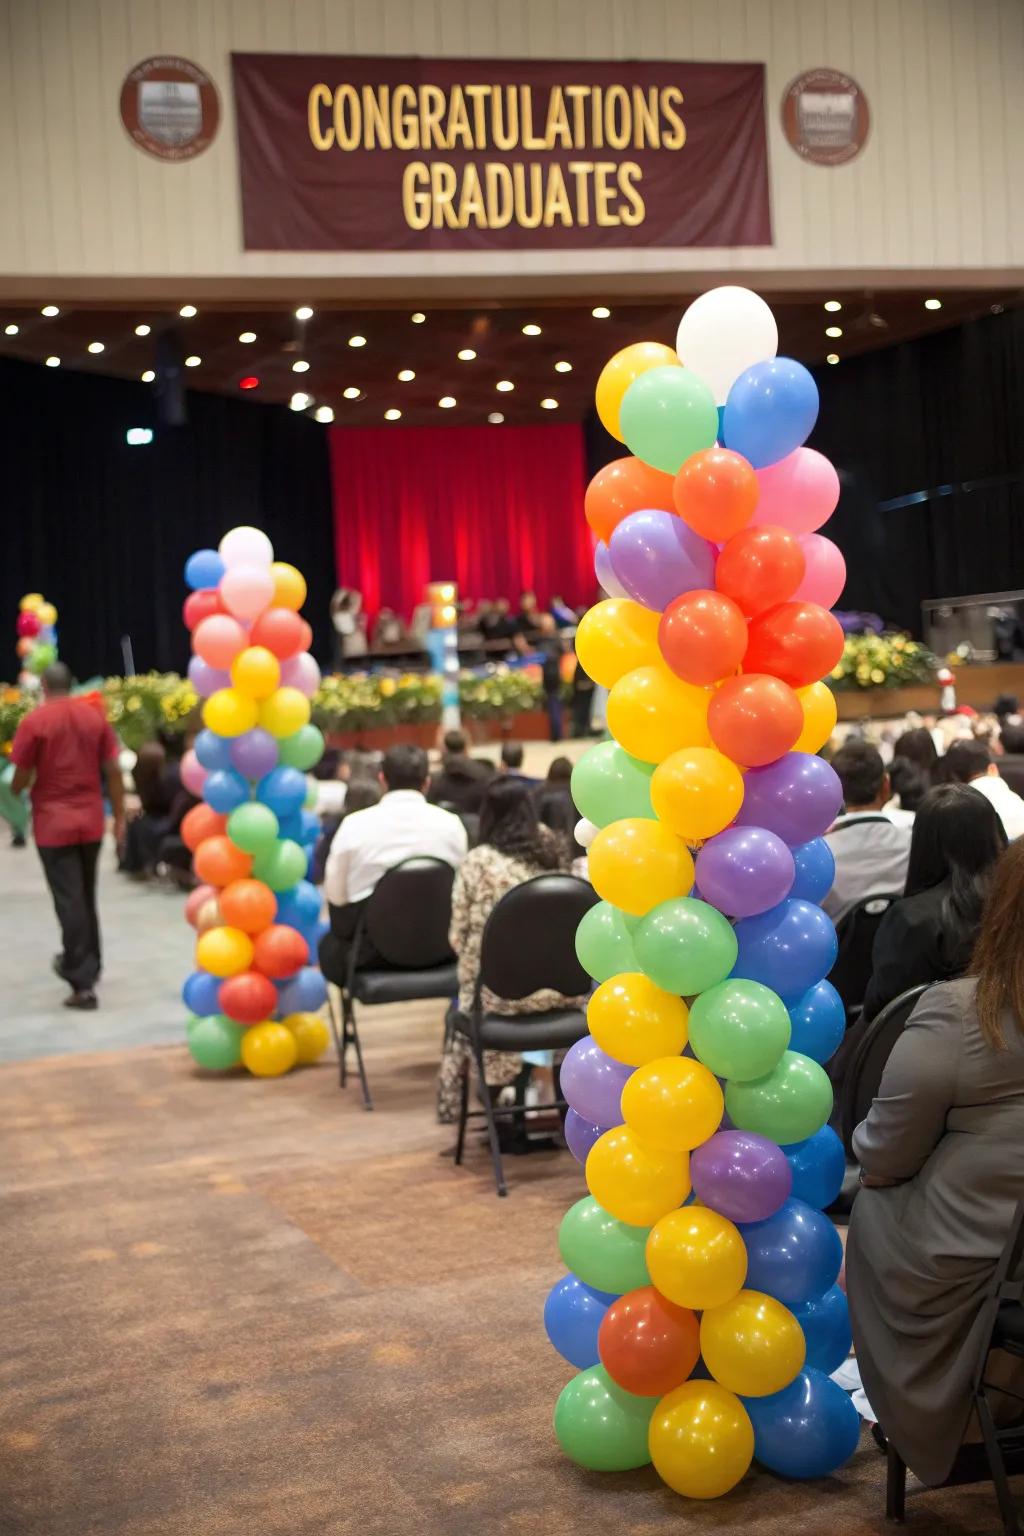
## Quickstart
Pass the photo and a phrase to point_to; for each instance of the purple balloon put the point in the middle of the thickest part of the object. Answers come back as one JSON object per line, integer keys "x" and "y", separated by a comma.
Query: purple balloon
{"x": 606, "y": 577}
{"x": 254, "y": 753}
{"x": 206, "y": 679}
{"x": 593, "y": 1082}
{"x": 580, "y": 1135}
{"x": 657, "y": 557}
{"x": 797, "y": 797}
{"x": 737, "y": 1173}
{"x": 745, "y": 870}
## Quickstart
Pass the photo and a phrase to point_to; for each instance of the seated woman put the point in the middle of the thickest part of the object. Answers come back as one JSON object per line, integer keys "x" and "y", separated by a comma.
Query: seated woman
{"x": 157, "y": 779}
{"x": 513, "y": 847}
{"x": 942, "y": 1159}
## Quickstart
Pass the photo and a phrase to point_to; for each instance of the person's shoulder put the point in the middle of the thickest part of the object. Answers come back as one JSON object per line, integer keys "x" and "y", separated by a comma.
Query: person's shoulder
{"x": 945, "y": 1006}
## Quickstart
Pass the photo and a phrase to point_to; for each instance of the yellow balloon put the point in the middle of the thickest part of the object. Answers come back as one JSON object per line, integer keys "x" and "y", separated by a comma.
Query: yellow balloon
{"x": 635, "y": 1021}
{"x": 697, "y": 792}
{"x": 229, "y": 713}
{"x": 618, "y": 374}
{"x": 701, "y": 1440}
{"x": 269, "y": 1049}
{"x": 30, "y": 602}
{"x": 289, "y": 586}
{"x": 652, "y": 713}
{"x": 635, "y": 1183}
{"x": 696, "y": 1258}
{"x": 224, "y": 951}
{"x": 284, "y": 712}
{"x": 614, "y": 637}
{"x": 673, "y": 1103}
{"x": 637, "y": 863}
{"x": 256, "y": 672}
{"x": 820, "y": 714}
{"x": 753, "y": 1344}
{"x": 312, "y": 1037}
{"x": 46, "y": 613}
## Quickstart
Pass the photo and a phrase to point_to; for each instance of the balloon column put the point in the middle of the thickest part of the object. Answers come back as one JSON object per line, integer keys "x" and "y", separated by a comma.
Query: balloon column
{"x": 254, "y": 995}
{"x": 37, "y": 637}
{"x": 701, "y": 1308}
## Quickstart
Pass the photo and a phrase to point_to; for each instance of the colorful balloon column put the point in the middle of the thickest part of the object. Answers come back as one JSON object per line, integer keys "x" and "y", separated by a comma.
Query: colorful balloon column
{"x": 255, "y": 995}
{"x": 701, "y": 1308}
{"x": 37, "y": 637}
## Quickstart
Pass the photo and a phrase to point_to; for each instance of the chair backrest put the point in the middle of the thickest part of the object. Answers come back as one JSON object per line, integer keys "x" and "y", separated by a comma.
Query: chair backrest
{"x": 864, "y": 1074}
{"x": 529, "y": 941}
{"x": 409, "y": 913}
{"x": 855, "y": 932}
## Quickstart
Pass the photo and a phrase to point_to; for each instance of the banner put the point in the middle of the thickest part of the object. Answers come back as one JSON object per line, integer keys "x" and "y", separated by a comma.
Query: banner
{"x": 347, "y": 154}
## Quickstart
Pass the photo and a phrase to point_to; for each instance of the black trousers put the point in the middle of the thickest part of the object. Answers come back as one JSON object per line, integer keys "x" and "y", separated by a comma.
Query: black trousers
{"x": 71, "y": 875}
{"x": 335, "y": 947}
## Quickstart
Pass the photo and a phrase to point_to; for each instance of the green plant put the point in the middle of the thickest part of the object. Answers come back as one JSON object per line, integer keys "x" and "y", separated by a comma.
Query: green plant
{"x": 888, "y": 660}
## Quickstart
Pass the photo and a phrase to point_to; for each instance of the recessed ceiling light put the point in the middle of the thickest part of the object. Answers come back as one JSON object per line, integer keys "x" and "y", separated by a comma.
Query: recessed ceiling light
{"x": 357, "y": 341}
{"x": 95, "y": 346}
{"x": 531, "y": 329}
{"x": 832, "y": 305}
{"x": 406, "y": 375}
{"x": 324, "y": 413}
{"x": 11, "y": 330}
{"x": 833, "y": 357}
{"x": 249, "y": 382}
{"x": 49, "y": 310}
{"x": 298, "y": 401}
{"x": 148, "y": 376}
{"x": 300, "y": 365}
{"x": 142, "y": 330}
{"x": 392, "y": 415}
{"x": 549, "y": 404}
{"x": 247, "y": 336}
{"x": 352, "y": 393}
{"x": 304, "y": 313}
{"x": 193, "y": 361}
{"x": 833, "y": 330}
{"x": 187, "y": 311}
{"x": 495, "y": 418}
{"x": 418, "y": 318}
{"x": 466, "y": 355}
{"x": 53, "y": 362}
{"x": 504, "y": 385}
{"x": 563, "y": 367}
{"x": 601, "y": 312}
{"x": 446, "y": 402}
{"x": 933, "y": 303}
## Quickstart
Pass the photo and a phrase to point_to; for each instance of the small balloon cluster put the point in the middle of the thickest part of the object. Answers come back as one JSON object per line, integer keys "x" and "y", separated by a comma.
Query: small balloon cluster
{"x": 254, "y": 995}
{"x": 37, "y": 636}
{"x": 702, "y": 1308}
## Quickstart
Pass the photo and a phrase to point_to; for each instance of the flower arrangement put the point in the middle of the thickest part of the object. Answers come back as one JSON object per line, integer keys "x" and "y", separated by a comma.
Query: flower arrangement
{"x": 886, "y": 660}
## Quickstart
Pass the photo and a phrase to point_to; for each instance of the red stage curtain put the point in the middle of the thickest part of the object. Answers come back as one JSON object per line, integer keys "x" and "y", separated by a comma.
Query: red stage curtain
{"x": 497, "y": 509}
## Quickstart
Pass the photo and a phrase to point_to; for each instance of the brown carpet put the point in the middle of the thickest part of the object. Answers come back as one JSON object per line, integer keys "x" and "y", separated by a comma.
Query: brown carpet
{"x": 237, "y": 1308}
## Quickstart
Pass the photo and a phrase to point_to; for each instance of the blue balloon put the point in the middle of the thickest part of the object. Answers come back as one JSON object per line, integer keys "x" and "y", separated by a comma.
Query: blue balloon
{"x": 311, "y": 828}
{"x": 809, "y": 1429}
{"x": 819, "y": 1167}
{"x": 573, "y": 1313}
{"x": 721, "y": 426}
{"x": 213, "y": 751}
{"x": 305, "y": 992}
{"x": 283, "y": 789}
{"x": 203, "y": 569}
{"x": 225, "y": 790}
{"x": 200, "y": 993}
{"x": 770, "y": 410}
{"x": 788, "y": 948}
{"x": 819, "y": 1022}
{"x": 815, "y": 870}
{"x": 300, "y": 906}
{"x": 290, "y": 827}
{"x": 794, "y": 1255}
{"x": 825, "y": 1321}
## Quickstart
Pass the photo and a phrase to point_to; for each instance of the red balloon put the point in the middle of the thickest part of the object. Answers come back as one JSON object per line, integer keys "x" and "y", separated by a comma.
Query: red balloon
{"x": 201, "y": 822}
{"x": 280, "y": 951}
{"x": 647, "y": 1344}
{"x": 716, "y": 493}
{"x": 281, "y": 631}
{"x": 702, "y": 636}
{"x": 799, "y": 642}
{"x": 622, "y": 487}
{"x": 754, "y": 719}
{"x": 28, "y": 624}
{"x": 201, "y": 604}
{"x": 248, "y": 998}
{"x": 760, "y": 567}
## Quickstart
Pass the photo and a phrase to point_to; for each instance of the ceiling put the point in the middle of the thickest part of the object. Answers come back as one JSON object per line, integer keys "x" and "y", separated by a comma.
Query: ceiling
{"x": 429, "y": 348}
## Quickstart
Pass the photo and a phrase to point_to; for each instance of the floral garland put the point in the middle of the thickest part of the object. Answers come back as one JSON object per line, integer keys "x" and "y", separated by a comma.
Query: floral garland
{"x": 886, "y": 660}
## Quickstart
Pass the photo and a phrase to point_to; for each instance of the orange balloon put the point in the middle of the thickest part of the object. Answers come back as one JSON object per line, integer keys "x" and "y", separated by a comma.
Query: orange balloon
{"x": 760, "y": 567}
{"x": 799, "y": 642}
{"x": 754, "y": 719}
{"x": 24, "y": 645}
{"x": 647, "y": 1344}
{"x": 281, "y": 632}
{"x": 703, "y": 636}
{"x": 218, "y": 861}
{"x": 201, "y": 822}
{"x": 622, "y": 487}
{"x": 279, "y": 951}
{"x": 249, "y": 905}
{"x": 716, "y": 493}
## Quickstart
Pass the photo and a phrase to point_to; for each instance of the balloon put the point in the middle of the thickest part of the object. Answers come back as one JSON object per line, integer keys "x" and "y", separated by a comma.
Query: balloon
{"x": 249, "y": 905}
{"x": 770, "y": 410}
{"x": 715, "y": 493}
{"x": 255, "y": 672}
{"x": 573, "y": 1313}
{"x": 228, "y": 712}
{"x": 647, "y": 1344}
{"x": 212, "y": 751}
{"x": 224, "y": 951}
{"x": 281, "y": 865}
{"x": 301, "y": 672}
{"x": 193, "y": 774}
{"x": 198, "y": 824}
{"x": 606, "y": 578}
{"x": 603, "y": 944}
{"x": 300, "y": 906}
{"x": 201, "y": 605}
{"x": 246, "y": 590}
{"x": 798, "y": 642}
{"x": 218, "y": 861}
{"x": 41, "y": 657}
{"x": 580, "y": 1135}
{"x": 289, "y": 586}
{"x": 788, "y": 948}
{"x": 208, "y": 916}
{"x": 701, "y": 1440}
{"x": 666, "y": 414}
{"x": 740, "y": 1175}
{"x": 815, "y": 867}
{"x": 197, "y": 899}
{"x": 614, "y": 637}
{"x": 799, "y": 492}
{"x": 214, "y": 1043}
{"x": 789, "y": 1104}
{"x": 797, "y": 798}
{"x": 754, "y": 719}
{"x": 199, "y": 993}
{"x": 224, "y": 790}
{"x": 28, "y": 624}
{"x": 753, "y": 1344}
{"x": 312, "y": 1037}
{"x": 636, "y": 864}
{"x": 820, "y": 711}
{"x": 253, "y": 828}
{"x": 280, "y": 631}
{"x": 793, "y": 1255}
{"x": 218, "y": 640}
{"x": 203, "y": 569}
{"x": 742, "y": 1029}
{"x": 269, "y": 1050}
{"x": 592, "y": 1082}
{"x": 702, "y": 636}
{"x": 809, "y": 1429}
{"x": 760, "y": 567}
{"x": 283, "y": 789}
{"x": 672, "y": 1104}
{"x": 696, "y": 1257}
{"x": 819, "y": 1022}
{"x": 248, "y": 998}
{"x": 284, "y": 712}
{"x": 825, "y": 1321}
{"x": 607, "y": 784}
{"x": 635, "y": 1022}
{"x": 696, "y": 792}
{"x": 819, "y": 1167}
{"x": 622, "y": 487}
{"x": 618, "y": 374}
{"x": 25, "y": 647}
{"x": 31, "y": 600}
{"x": 254, "y": 753}
{"x": 601, "y": 1427}
{"x": 206, "y": 680}
{"x": 655, "y": 556}
{"x": 245, "y": 546}
{"x": 746, "y": 870}
{"x": 279, "y": 952}
{"x": 634, "y": 1182}
{"x": 724, "y": 332}
{"x": 604, "y": 1253}
{"x": 651, "y": 713}
{"x": 825, "y": 575}
{"x": 303, "y": 750}
{"x": 304, "y": 992}
{"x": 685, "y": 946}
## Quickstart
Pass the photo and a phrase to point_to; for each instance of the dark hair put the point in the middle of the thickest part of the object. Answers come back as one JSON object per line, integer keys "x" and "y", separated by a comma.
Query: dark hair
{"x": 508, "y": 822}
{"x": 559, "y": 770}
{"x": 1012, "y": 738}
{"x": 57, "y": 678}
{"x": 918, "y": 748}
{"x": 360, "y": 795}
{"x": 861, "y": 772}
{"x": 327, "y": 767}
{"x": 512, "y": 754}
{"x": 405, "y": 767}
{"x": 998, "y": 959}
{"x": 1006, "y": 704}
{"x": 967, "y": 760}
{"x": 957, "y": 838}
{"x": 455, "y": 743}
{"x": 909, "y": 782}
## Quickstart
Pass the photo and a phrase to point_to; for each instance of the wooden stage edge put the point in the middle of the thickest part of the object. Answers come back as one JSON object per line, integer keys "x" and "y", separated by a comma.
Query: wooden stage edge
{"x": 979, "y": 685}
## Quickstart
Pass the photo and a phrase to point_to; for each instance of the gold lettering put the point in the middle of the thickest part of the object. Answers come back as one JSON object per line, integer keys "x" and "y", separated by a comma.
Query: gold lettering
{"x": 597, "y": 117}
{"x": 458, "y": 120}
{"x": 348, "y": 128}
{"x": 443, "y": 186}
{"x": 528, "y": 218}
{"x": 319, "y": 96}
{"x": 505, "y": 110}
{"x": 578, "y": 94}
{"x": 582, "y": 170}
{"x": 405, "y": 123}
{"x": 529, "y": 138}
{"x": 604, "y": 170}
{"x": 472, "y": 207}
{"x": 674, "y": 137}
{"x": 646, "y": 128}
{"x": 556, "y": 201}
{"x": 431, "y": 113}
{"x": 618, "y": 126}
{"x": 478, "y": 94}
{"x": 416, "y": 195}
{"x": 635, "y": 213}
{"x": 558, "y": 121}
{"x": 376, "y": 118}
{"x": 500, "y": 194}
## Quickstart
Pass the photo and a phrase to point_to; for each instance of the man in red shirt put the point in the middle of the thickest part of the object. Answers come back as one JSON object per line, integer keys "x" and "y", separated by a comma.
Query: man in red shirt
{"x": 63, "y": 748}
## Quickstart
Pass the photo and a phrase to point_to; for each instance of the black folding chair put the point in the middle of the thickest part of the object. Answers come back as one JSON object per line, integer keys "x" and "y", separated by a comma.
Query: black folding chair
{"x": 863, "y": 1077}
{"x": 406, "y": 920}
{"x": 855, "y": 932}
{"x": 528, "y": 944}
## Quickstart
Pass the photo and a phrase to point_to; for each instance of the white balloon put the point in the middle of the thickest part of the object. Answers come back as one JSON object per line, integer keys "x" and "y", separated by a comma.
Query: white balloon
{"x": 585, "y": 832}
{"x": 246, "y": 546}
{"x": 723, "y": 333}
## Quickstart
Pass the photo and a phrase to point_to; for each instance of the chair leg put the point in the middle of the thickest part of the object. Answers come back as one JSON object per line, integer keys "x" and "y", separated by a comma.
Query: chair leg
{"x": 997, "y": 1465}
{"x": 338, "y": 1033}
{"x": 352, "y": 1035}
{"x": 895, "y": 1486}
{"x": 492, "y": 1129}
{"x": 460, "y": 1139}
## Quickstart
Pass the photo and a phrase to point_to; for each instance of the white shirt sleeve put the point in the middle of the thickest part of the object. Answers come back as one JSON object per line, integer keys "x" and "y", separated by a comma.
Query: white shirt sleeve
{"x": 336, "y": 871}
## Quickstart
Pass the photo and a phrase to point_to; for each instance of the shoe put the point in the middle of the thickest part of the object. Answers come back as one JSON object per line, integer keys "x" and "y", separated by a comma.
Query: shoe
{"x": 18, "y": 840}
{"x": 87, "y": 1002}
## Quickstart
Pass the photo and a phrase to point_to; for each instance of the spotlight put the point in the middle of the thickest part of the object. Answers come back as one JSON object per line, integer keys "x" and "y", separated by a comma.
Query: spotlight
{"x": 602, "y": 312}
{"x": 833, "y": 357}
{"x": 933, "y": 303}
{"x": 193, "y": 361}
{"x": 298, "y": 401}
{"x": 324, "y": 413}
{"x": 300, "y": 366}
{"x": 495, "y": 418}
{"x": 406, "y": 376}
{"x": 11, "y": 330}
{"x": 49, "y": 310}
{"x": 95, "y": 347}
{"x": 142, "y": 330}
{"x": 446, "y": 402}
{"x": 549, "y": 404}
{"x": 352, "y": 393}
{"x": 563, "y": 367}
{"x": 148, "y": 376}
{"x": 418, "y": 318}
{"x": 832, "y": 305}
{"x": 304, "y": 312}
{"x": 357, "y": 341}
{"x": 249, "y": 382}
{"x": 531, "y": 329}
{"x": 504, "y": 385}
{"x": 392, "y": 415}
{"x": 833, "y": 330}
{"x": 187, "y": 311}
{"x": 53, "y": 362}
{"x": 247, "y": 336}
{"x": 466, "y": 355}
{"x": 137, "y": 437}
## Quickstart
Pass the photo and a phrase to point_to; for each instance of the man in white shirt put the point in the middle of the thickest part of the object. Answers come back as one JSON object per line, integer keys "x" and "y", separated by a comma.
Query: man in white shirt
{"x": 970, "y": 762}
{"x": 870, "y": 849}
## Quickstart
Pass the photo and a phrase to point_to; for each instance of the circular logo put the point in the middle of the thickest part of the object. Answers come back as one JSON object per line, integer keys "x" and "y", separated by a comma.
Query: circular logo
{"x": 825, "y": 116}
{"x": 169, "y": 106}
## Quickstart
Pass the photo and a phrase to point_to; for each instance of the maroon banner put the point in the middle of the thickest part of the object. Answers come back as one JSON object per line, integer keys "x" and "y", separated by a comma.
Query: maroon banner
{"x": 355, "y": 154}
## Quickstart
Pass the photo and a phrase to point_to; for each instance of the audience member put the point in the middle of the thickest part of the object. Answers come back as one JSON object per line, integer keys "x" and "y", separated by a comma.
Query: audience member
{"x": 970, "y": 762}
{"x": 388, "y": 631}
{"x": 563, "y": 615}
{"x": 360, "y": 794}
{"x": 511, "y": 764}
{"x": 463, "y": 780}
{"x": 1011, "y": 764}
{"x": 157, "y": 779}
{"x": 909, "y": 786}
{"x": 942, "y": 1158}
{"x": 529, "y": 613}
{"x": 870, "y": 849}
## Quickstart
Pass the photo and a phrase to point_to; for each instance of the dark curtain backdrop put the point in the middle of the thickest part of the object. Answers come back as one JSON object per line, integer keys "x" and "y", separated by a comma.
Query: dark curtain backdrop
{"x": 103, "y": 529}
{"x": 499, "y": 510}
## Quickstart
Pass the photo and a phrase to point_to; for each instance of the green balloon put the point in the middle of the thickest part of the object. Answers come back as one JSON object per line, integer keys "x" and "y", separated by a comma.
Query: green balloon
{"x": 281, "y": 865}
{"x": 603, "y": 1252}
{"x": 215, "y": 1042}
{"x": 40, "y": 657}
{"x": 667, "y": 414}
{"x": 603, "y": 945}
{"x": 685, "y": 946}
{"x": 252, "y": 827}
{"x": 789, "y": 1104}
{"x": 302, "y": 750}
{"x": 739, "y": 1029}
{"x": 602, "y": 1426}
{"x": 608, "y": 784}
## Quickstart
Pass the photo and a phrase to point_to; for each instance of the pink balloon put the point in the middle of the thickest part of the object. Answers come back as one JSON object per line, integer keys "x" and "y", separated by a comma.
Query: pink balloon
{"x": 218, "y": 640}
{"x": 193, "y": 774}
{"x": 825, "y": 576}
{"x": 301, "y": 672}
{"x": 197, "y": 900}
{"x": 800, "y": 492}
{"x": 245, "y": 590}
